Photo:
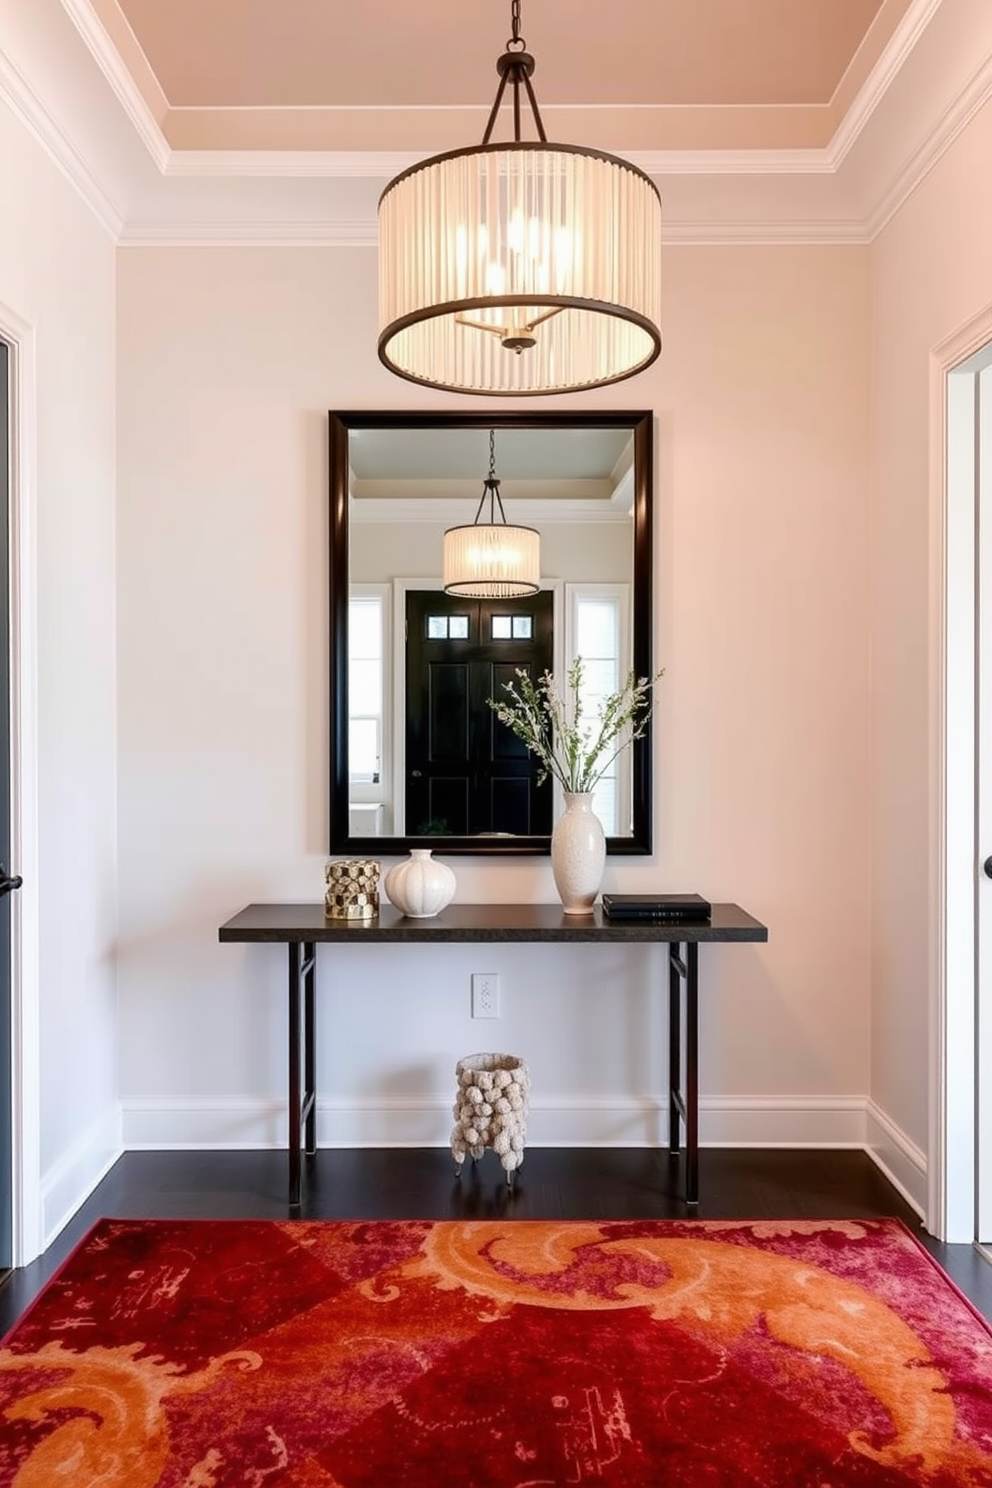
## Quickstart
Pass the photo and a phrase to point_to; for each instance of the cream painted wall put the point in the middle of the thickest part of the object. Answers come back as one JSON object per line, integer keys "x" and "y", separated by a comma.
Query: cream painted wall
{"x": 57, "y": 276}
{"x": 930, "y": 274}
{"x": 228, "y": 360}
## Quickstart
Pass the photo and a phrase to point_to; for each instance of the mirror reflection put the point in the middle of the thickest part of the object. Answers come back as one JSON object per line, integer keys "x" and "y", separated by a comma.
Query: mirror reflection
{"x": 417, "y": 754}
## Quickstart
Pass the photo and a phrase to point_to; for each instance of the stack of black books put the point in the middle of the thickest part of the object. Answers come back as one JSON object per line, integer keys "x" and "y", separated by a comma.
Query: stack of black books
{"x": 668, "y": 909}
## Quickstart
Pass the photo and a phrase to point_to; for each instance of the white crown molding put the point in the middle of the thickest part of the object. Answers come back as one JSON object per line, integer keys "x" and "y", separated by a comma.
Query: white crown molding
{"x": 800, "y": 232}
{"x": 391, "y": 510}
{"x": 384, "y": 165}
{"x": 375, "y": 164}
{"x": 260, "y": 164}
{"x": 900, "y": 46}
{"x": 219, "y": 164}
{"x": 713, "y": 213}
{"x": 124, "y": 88}
{"x": 28, "y": 108}
{"x": 261, "y": 233}
{"x": 663, "y": 163}
{"x": 955, "y": 119}
{"x": 709, "y": 222}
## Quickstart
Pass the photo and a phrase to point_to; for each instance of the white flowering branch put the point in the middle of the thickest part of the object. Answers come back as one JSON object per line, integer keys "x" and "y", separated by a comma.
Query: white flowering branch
{"x": 552, "y": 726}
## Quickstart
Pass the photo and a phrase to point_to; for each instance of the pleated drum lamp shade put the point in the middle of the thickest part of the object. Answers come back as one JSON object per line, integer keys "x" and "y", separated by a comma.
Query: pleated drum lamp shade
{"x": 519, "y": 268}
{"x": 491, "y": 558}
{"x": 492, "y": 561}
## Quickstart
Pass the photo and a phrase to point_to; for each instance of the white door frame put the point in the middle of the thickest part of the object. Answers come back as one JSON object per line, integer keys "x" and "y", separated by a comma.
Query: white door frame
{"x": 981, "y": 418}
{"x": 951, "y": 1170}
{"x": 27, "y": 1238}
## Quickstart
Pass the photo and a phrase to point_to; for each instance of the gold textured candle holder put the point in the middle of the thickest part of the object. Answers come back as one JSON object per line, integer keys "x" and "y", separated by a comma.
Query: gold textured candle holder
{"x": 351, "y": 889}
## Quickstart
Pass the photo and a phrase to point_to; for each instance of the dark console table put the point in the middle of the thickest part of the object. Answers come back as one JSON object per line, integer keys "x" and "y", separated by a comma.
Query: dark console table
{"x": 301, "y": 927}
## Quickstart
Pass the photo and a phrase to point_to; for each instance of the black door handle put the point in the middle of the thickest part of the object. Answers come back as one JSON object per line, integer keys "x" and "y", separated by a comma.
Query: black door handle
{"x": 987, "y": 865}
{"x": 9, "y": 881}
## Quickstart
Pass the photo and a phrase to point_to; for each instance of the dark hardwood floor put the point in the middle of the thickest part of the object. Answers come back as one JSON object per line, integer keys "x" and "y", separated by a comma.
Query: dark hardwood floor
{"x": 555, "y": 1183}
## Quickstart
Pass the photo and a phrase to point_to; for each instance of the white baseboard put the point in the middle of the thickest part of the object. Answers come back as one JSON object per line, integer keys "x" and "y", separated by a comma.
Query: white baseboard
{"x": 782, "y": 1121}
{"x": 425, "y": 1121}
{"x": 565, "y": 1121}
{"x": 70, "y": 1181}
{"x": 203, "y": 1122}
{"x": 900, "y": 1160}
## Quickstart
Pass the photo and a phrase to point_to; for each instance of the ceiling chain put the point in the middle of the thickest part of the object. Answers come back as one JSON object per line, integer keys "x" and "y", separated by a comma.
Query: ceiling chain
{"x": 516, "y": 40}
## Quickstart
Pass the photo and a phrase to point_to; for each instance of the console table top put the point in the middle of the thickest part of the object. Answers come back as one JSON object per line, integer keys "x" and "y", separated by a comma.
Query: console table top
{"x": 285, "y": 923}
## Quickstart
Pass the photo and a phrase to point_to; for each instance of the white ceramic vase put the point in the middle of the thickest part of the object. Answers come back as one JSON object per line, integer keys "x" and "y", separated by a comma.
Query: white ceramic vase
{"x": 420, "y": 886}
{"x": 578, "y": 854}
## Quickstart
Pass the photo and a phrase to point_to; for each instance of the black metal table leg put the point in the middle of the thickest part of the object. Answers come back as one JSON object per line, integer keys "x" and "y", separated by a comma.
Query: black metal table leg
{"x": 295, "y": 1099}
{"x": 691, "y": 1075}
{"x": 675, "y": 1107}
{"x": 302, "y": 1092}
{"x": 683, "y": 967}
{"x": 309, "y": 971}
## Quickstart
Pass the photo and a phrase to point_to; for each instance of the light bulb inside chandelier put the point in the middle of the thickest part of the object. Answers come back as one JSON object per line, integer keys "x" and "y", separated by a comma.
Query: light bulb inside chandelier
{"x": 491, "y": 559}
{"x": 519, "y": 268}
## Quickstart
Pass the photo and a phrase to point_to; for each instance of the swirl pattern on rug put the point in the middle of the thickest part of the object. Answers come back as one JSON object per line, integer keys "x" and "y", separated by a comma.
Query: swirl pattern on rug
{"x": 517, "y": 1354}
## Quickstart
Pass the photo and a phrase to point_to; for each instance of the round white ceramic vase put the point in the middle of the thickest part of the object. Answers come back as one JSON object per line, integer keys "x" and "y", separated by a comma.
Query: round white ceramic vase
{"x": 578, "y": 854}
{"x": 420, "y": 886}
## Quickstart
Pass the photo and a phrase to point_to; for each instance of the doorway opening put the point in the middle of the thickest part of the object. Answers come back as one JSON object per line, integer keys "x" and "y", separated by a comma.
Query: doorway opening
{"x": 23, "y": 1232}
{"x": 6, "y": 1061}
{"x": 982, "y": 384}
{"x": 960, "y": 1158}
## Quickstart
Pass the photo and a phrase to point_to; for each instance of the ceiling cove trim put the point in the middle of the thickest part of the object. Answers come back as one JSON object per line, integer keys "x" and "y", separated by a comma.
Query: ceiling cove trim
{"x": 954, "y": 120}
{"x": 262, "y": 230}
{"x": 374, "y": 511}
{"x": 263, "y": 233}
{"x": 798, "y": 234}
{"x": 901, "y": 44}
{"x": 262, "y": 163}
{"x": 29, "y": 110}
{"x": 373, "y": 164}
{"x": 125, "y": 89}
{"x": 382, "y": 165}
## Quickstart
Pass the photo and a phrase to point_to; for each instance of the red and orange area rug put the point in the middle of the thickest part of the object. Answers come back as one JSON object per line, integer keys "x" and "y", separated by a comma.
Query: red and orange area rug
{"x": 209, "y": 1354}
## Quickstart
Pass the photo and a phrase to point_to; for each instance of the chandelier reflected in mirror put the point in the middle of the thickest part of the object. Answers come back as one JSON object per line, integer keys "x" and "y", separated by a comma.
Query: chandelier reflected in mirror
{"x": 491, "y": 559}
{"x": 519, "y": 268}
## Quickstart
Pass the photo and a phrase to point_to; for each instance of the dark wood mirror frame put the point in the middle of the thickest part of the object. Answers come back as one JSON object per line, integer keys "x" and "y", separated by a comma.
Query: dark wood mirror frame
{"x": 339, "y": 427}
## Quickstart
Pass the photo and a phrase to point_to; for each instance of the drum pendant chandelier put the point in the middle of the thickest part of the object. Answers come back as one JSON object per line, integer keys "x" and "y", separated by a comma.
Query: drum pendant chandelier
{"x": 490, "y": 559}
{"x": 519, "y": 268}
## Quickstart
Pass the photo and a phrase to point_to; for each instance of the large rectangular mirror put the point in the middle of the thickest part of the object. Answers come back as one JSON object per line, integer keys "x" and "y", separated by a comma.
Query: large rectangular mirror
{"x": 417, "y": 757}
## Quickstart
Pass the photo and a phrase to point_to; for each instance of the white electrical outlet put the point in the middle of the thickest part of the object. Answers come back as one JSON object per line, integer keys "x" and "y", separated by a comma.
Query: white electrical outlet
{"x": 485, "y": 994}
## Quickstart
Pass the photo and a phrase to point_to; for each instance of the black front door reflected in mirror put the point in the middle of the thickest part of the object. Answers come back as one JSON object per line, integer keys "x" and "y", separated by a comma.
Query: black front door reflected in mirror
{"x": 417, "y": 755}
{"x": 467, "y": 775}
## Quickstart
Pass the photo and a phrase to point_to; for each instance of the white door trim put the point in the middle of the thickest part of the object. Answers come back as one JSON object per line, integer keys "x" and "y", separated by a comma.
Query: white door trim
{"x": 951, "y": 1178}
{"x": 28, "y": 1238}
{"x": 981, "y": 454}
